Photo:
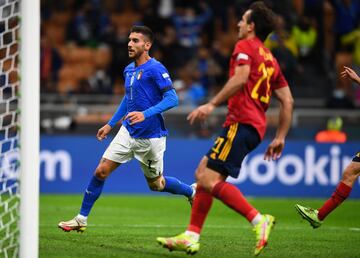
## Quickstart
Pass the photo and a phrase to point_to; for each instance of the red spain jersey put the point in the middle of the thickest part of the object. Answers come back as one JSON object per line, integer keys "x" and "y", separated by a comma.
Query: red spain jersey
{"x": 249, "y": 104}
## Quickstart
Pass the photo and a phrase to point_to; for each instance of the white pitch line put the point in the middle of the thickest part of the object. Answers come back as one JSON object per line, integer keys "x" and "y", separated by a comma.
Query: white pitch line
{"x": 207, "y": 226}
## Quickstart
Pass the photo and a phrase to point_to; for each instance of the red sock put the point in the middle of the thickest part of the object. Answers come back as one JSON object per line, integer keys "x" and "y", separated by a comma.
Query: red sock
{"x": 200, "y": 209}
{"x": 341, "y": 193}
{"x": 233, "y": 198}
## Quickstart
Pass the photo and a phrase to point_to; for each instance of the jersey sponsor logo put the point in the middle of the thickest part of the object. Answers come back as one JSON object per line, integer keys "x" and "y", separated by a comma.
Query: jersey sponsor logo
{"x": 242, "y": 56}
{"x": 165, "y": 75}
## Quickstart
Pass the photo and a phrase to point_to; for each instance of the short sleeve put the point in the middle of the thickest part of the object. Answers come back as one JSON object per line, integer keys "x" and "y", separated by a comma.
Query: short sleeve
{"x": 242, "y": 53}
{"x": 162, "y": 78}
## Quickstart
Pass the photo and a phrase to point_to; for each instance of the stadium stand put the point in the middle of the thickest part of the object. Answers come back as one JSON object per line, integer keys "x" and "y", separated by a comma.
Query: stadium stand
{"x": 83, "y": 42}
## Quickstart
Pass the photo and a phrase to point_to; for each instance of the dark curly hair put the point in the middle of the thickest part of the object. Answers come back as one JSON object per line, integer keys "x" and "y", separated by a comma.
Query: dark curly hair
{"x": 263, "y": 18}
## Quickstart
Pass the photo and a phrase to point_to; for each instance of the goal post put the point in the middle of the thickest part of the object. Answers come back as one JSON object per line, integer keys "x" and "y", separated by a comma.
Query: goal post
{"x": 15, "y": 193}
{"x": 29, "y": 127}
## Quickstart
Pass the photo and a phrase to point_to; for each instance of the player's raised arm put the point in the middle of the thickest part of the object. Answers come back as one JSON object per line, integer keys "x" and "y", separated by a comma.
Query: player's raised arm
{"x": 350, "y": 73}
{"x": 276, "y": 147}
{"x": 231, "y": 87}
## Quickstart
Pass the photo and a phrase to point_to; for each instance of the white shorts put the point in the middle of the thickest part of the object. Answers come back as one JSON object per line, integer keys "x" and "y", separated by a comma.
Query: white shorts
{"x": 149, "y": 152}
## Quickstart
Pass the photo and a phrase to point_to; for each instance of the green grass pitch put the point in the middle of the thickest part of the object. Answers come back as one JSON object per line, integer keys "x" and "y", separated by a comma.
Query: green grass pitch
{"x": 127, "y": 225}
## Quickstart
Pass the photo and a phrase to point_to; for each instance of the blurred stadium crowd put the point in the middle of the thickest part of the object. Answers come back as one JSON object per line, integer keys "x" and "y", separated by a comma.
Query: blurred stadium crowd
{"x": 84, "y": 45}
{"x": 84, "y": 52}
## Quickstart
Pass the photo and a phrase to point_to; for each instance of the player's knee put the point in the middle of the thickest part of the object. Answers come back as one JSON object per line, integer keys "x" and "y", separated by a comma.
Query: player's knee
{"x": 207, "y": 180}
{"x": 350, "y": 175}
{"x": 199, "y": 174}
{"x": 157, "y": 185}
{"x": 203, "y": 181}
{"x": 101, "y": 172}
{"x": 201, "y": 169}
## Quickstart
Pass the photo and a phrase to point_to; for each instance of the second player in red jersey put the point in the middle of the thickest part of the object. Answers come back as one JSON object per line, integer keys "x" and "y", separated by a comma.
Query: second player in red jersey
{"x": 349, "y": 176}
{"x": 254, "y": 77}
{"x": 249, "y": 104}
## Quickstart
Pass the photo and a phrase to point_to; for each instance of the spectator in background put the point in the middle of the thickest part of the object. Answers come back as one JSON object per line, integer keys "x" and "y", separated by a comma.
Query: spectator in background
{"x": 188, "y": 26}
{"x": 221, "y": 55}
{"x": 170, "y": 48}
{"x": 89, "y": 24}
{"x": 333, "y": 132}
{"x": 221, "y": 13}
{"x": 100, "y": 82}
{"x": 157, "y": 14}
{"x": 118, "y": 40}
{"x": 305, "y": 35}
{"x": 346, "y": 21}
{"x": 284, "y": 48}
{"x": 352, "y": 39}
{"x": 50, "y": 64}
{"x": 321, "y": 13}
{"x": 204, "y": 69}
{"x": 340, "y": 100}
{"x": 347, "y": 18}
{"x": 190, "y": 91}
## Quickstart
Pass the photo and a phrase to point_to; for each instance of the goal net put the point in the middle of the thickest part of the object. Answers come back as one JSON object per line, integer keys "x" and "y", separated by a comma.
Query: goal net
{"x": 19, "y": 134}
{"x": 9, "y": 133}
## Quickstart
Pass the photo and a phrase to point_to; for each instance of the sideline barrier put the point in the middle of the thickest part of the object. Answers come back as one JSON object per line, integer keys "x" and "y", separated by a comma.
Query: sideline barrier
{"x": 306, "y": 169}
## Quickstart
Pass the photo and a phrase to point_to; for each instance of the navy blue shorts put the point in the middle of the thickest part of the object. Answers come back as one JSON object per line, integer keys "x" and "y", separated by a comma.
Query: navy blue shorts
{"x": 231, "y": 147}
{"x": 356, "y": 157}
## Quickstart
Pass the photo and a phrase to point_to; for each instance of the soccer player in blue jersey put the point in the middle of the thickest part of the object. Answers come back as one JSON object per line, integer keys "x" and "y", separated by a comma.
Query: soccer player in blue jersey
{"x": 148, "y": 93}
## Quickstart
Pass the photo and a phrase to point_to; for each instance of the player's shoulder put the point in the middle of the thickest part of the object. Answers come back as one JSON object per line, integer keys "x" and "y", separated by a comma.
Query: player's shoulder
{"x": 156, "y": 65}
{"x": 130, "y": 66}
{"x": 247, "y": 46}
{"x": 156, "y": 68}
{"x": 129, "y": 69}
{"x": 243, "y": 43}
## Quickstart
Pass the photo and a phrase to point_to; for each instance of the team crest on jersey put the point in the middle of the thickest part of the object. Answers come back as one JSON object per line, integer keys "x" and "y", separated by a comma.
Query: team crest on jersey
{"x": 139, "y": 74}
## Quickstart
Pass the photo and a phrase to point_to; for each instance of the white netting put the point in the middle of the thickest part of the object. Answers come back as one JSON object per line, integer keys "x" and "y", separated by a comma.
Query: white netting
{"x": 9, "y": 133}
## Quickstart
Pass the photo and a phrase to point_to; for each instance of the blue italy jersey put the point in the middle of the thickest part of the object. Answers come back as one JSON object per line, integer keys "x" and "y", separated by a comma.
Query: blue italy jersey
{"x": 144, "y": 88}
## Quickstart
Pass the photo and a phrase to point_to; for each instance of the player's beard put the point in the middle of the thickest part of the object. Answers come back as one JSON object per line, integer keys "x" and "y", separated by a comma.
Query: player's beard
{"x": 136, "y": 54}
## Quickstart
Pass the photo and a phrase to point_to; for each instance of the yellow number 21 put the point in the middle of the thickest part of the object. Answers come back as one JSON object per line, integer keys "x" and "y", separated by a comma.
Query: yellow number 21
{"x": 267, "y": 72}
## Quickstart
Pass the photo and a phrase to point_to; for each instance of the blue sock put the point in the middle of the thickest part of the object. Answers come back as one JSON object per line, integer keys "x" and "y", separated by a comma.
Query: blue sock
{"x": 91, "y": 194}
{"x": 175, "y": 186}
